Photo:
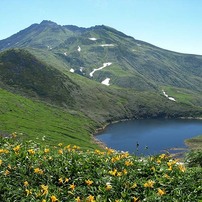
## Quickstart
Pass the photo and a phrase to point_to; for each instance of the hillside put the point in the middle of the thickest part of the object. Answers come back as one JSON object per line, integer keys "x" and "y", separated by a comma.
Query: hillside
{"x": 23, "y": 73}
{"x": 44, "y": 123}
{"x": 99, "y": 73}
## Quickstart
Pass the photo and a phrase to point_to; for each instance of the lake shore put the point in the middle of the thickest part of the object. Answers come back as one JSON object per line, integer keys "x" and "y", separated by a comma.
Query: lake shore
{"x": 194, "y": 143}
{"x": 173, "y": 151}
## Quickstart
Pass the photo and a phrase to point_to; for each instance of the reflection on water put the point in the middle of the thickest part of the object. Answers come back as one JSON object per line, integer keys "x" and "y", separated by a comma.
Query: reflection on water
{"x": 150, "y": 136}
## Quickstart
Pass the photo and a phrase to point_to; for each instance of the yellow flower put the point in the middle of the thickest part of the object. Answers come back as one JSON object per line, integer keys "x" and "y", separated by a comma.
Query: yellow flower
{"x": 77, "y": 199}
{"x": 182, "y": 168}
{"x": 90, "y": 198}
{"x": 166, "y": 176}
{"x": 60, "y": 180}
{"x": 28, "y": 192}
{"x": 108, "y": 186}
{"x": 110, "y": 151}
{"x": 72, "y": 187}
{"x": 88, "y": 182}
{"x": 171, "y": 162}
{"x": 162, "y": 156}
{"x": 1, "y": 162}
{"x": 50, "y": 158}
{"x": 26, "y": 183}
{"x": 60, "y": 151}
{"x": 7, "y": 172}
{"x": 151, "y": 158}
{"x": 113, "y": 172}
{"x": 115, "y": 158}
{"x": 119, "y": 174}
{"x": 46, "y": 150}
{"x": 31, "y": 151}
{"x": 124, "y": 155}
{"x": 66, "y": 179}
{"x": 38, "y": 171}
{"x": 76, "y": 147}
{"x": 158, "y": 161}
{"x": 128, "y": 163}
{"x": 9, "y": 166}
{"x": 149, "y": 184}
{"x": 161, "y": 192}
{"x": 53, "y": 198}
{"x": 135, "y": 199}
{"x": 16, "y": 149}
{"x": 14, "y": 135}
{"x": 125, "y": 172}
{"x": 44, "y": 200}
{"x": 60, "y": 144}
{"x": 134, "y": 185}
{"x": 68, "y": 147}
{"x": 170, "y": 168}
{"x": 4, "y": 151}
{"x": 44, "y": 189}
{"x": 99, "y": 152}
{"x": 153, "y": 168}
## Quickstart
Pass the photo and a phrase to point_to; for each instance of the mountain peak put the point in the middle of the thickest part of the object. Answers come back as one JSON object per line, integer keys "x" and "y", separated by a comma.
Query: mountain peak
{"x": 48, "y": 23}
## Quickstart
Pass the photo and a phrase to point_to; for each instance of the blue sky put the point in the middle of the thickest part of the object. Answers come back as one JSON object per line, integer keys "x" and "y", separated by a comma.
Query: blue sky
{"x": 171, "y": 24}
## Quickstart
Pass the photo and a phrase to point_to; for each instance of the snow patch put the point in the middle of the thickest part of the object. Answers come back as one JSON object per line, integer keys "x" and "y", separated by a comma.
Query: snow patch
{"x": 81, "y": 69}
{"x": 92, "y": 39}
{"x": 107, "y": 45}
{"x": 171, "y": 98}
{"x": 71, "y": 70}
{"x": 106, "y": 82}
{"x": 79, "y": 48}
{"x": 104, "y": 65}
{"x": 49, "y": 47}
{"x": 166, "y": 95}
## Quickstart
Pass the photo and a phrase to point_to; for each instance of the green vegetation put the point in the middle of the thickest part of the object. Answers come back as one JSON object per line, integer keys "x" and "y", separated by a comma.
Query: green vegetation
{"x": 44, "y": 122}
{"x": 34, "y": 172}
{"x": 184, "y": 95}
{"x": 195, "y": 143}
{"x": 194, "y": 158}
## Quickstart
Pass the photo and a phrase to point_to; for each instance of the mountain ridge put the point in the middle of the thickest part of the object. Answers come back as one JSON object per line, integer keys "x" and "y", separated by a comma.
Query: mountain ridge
{"x": 72, "y": 47}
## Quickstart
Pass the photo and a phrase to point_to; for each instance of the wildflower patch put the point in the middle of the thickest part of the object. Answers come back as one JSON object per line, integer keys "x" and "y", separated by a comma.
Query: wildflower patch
{"x": 33, "y": 172}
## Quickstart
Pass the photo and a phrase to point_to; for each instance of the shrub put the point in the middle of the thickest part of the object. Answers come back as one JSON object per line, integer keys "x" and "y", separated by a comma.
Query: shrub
{"x": 194, "y": 158}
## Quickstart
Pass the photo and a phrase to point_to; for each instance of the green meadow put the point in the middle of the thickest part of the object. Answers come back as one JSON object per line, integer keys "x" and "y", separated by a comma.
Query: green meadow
{"x": 44, "y": 123}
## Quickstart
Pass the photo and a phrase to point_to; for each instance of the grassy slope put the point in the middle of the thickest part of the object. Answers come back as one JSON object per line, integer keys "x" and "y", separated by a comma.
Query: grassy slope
{"x": 195, "y": 143}
{"x": 36, "y": 120}
{"x": 184, "y": 95}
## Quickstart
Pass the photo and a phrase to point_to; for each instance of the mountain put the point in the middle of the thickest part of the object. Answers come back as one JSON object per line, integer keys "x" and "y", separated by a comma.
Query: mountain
{"x": 134, "y": 64}
{"x": 100, "y": 73}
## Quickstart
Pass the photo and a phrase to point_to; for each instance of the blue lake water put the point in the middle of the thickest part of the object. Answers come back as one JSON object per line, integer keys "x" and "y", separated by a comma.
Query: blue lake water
{"x": 151, "y": 136}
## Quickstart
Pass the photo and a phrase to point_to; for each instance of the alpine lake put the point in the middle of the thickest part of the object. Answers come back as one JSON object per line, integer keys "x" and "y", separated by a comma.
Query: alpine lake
{"x": 150, "y": 136}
